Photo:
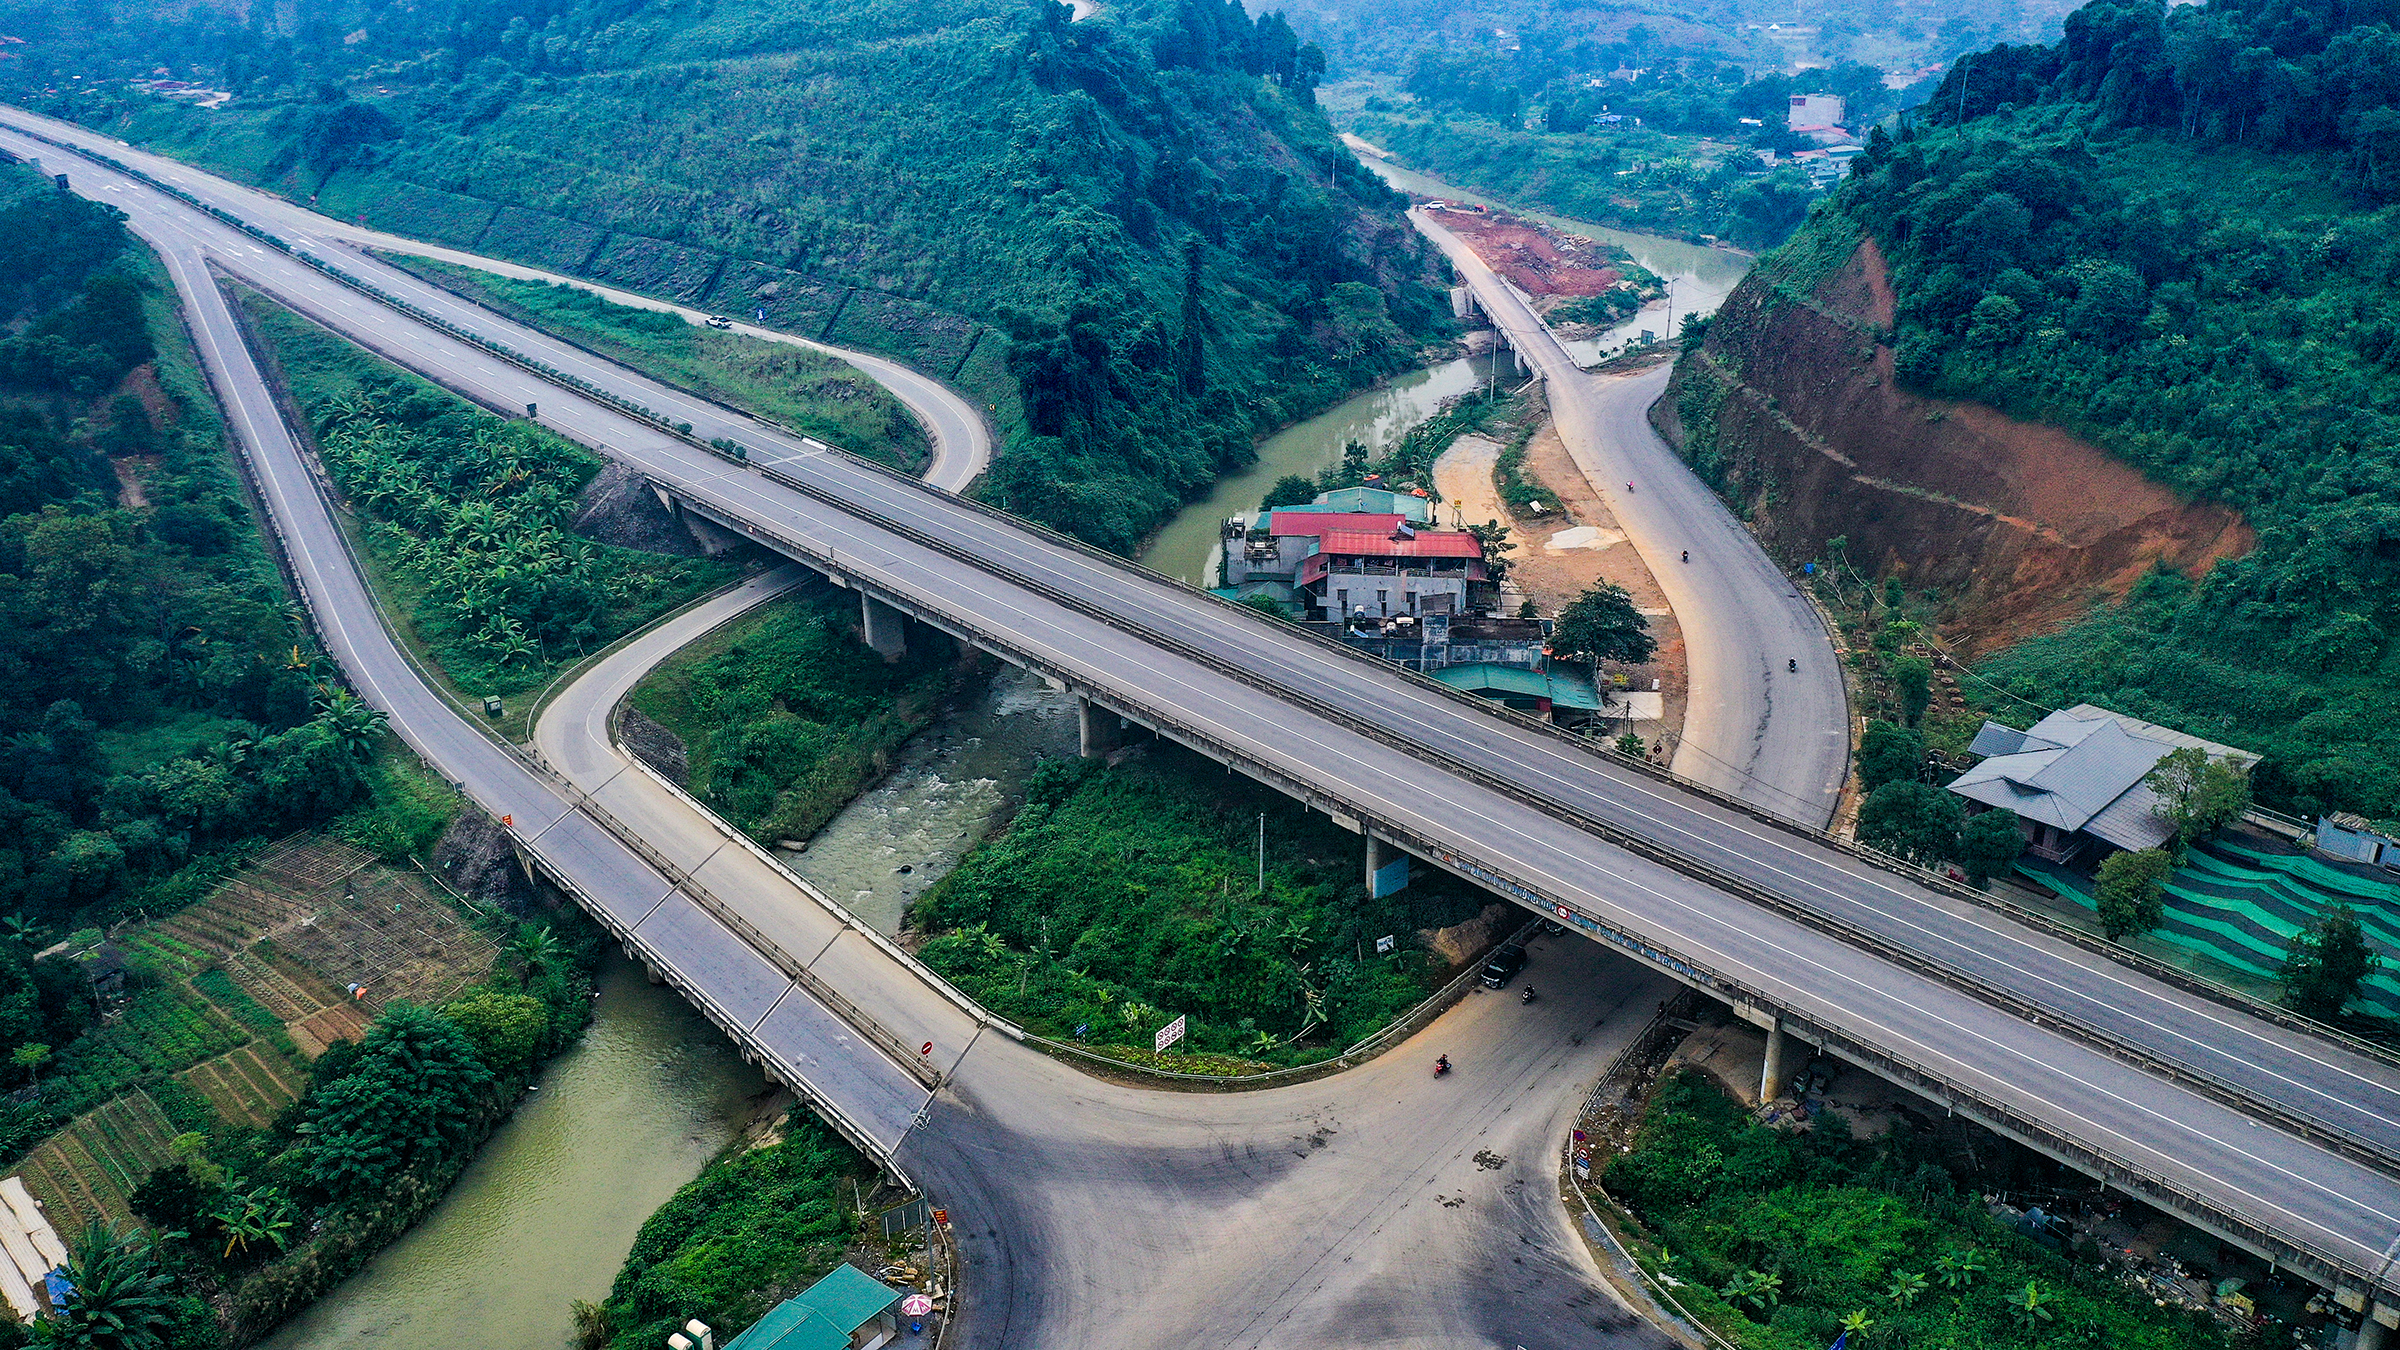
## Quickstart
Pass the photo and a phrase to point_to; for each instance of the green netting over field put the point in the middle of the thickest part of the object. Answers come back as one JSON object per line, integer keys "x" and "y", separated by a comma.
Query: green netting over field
{"x": 2242, "y": 906}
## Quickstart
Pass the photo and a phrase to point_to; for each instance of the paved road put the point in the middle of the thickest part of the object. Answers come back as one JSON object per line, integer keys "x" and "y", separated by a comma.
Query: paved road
{"x": 1351, "y": 1211}
{"x": 2202, "y": 1148}
{"x": 1771, "y": 736}
{"x": 815, "y": 1046}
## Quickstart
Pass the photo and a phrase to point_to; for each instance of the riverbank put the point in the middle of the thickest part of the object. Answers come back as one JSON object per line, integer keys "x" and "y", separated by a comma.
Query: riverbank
{"x": 1697, "y": 277}
{"x": 609, "y": 1132}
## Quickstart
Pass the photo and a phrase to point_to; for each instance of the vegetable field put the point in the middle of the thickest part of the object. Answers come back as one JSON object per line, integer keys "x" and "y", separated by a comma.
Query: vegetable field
{"x": 232, "y": 999}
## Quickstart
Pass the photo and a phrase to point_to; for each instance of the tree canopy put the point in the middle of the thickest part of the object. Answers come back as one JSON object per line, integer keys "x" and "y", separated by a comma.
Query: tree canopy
{"x": 2131, "y": 893}
{"x": 1912, "y": 820}
{"x": 411, "y": 1096}
{"x": 1603, "y": 624}
{"x": 2325, "y": 964}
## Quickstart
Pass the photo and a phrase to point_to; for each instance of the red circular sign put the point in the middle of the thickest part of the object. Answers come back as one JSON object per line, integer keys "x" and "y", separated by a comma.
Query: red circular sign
{"x": 927, "y": 1050}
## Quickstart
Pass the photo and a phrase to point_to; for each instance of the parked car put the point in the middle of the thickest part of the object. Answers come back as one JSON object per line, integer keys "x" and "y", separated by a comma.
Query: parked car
{"x": 1503, "y": 966}
{"x": 719, "y": 321}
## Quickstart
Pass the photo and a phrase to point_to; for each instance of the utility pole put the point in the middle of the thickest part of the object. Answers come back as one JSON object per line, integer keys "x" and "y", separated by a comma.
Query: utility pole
{"x": 1670, "y": 310}
{"x": 1262, "y": 853}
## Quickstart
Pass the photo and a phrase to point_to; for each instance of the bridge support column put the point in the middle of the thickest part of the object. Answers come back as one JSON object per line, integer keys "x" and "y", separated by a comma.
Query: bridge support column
{"x": 1771, "y": 1078}
{"x": 2380, "y": 1318}
{"x": 880, "y": 627}
{"x": 1387, "y": 867}
{"x": 654, "y": 975}
{"x": 1095, "y": 728}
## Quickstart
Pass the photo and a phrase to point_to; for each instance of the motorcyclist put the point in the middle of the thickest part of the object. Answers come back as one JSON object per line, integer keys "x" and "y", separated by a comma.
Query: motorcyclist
{"x": 1529, "y": 995}
{"x": 1687, "y": 555}
{"x": 1441, "y": 1064}
{"x": 1792, "y": 664}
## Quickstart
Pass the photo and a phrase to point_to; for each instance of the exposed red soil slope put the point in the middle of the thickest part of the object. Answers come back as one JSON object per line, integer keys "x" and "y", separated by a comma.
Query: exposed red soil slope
{"x": 2031, "y": 525}
{"x": 1540, "y": 260}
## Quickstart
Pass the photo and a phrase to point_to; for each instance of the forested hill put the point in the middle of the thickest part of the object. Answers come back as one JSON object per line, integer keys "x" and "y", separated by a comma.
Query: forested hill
{"x": 2173, "y": 233}
{"x": 1134, "y": 236}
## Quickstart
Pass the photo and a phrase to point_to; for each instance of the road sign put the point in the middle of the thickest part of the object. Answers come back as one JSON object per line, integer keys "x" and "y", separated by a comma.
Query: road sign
{"x": 1169, "y": 1034}
{"x": 1385, "y": 944}
{"x": 506, "y": 821}
{"x": 942, "y": 1217}
{"x": 927, "y": 1050}
{"x": 916, "y": 1305}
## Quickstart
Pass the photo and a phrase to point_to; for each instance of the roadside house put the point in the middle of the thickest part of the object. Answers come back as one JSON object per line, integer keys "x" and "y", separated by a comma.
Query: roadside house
{"x": 2075, "y": 781}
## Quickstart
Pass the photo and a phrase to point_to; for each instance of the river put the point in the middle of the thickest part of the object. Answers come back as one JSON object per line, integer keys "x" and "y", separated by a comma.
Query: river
{"x": 1187, "y": 546}
{"x": 547, "y": 1212}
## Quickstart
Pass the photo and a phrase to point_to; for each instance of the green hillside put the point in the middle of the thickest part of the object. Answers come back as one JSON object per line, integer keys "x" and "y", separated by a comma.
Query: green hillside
{"x": 1134, "y": 238}
{"x": 2132, "y": 235}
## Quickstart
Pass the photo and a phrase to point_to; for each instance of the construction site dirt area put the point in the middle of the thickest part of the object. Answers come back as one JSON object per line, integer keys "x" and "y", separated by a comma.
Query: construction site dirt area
{"x": 2028, "y": 524}
{"x": 1536, "y": 258}
{"x": 1564, "y": 551}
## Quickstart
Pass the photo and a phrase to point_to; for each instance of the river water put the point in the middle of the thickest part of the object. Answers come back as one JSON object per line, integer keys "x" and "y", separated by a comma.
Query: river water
{"x": 950, "y": 782}
{"x": 1187, "y": 546}
{"x": 546, "y": 1214}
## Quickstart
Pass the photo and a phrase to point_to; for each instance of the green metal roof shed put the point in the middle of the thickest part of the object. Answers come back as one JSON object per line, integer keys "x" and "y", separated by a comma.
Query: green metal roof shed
{"x": 1564, "y": 688}
{"x": 828, "y": 1315}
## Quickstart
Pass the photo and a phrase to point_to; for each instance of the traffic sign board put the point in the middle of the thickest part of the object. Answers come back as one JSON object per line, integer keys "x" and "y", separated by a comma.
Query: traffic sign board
{"x": 1168, "y": 1034}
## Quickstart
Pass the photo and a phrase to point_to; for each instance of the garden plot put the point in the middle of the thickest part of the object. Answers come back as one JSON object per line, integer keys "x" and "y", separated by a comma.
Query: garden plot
{"x": 252, "y": 985}
{"x": 248, "y": 1086}
{"x": 308, "y": 865}
{"x": 393, "y": 940}
{"x": 86, "y": 1170}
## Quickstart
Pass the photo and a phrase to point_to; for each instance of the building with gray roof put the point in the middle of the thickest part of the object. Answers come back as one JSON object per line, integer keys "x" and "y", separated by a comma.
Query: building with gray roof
{"x": 2075, "y": 779}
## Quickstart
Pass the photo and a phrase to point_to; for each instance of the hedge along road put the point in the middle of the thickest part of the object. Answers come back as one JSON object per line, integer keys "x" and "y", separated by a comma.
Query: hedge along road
{"x": 2201, "y": 1148}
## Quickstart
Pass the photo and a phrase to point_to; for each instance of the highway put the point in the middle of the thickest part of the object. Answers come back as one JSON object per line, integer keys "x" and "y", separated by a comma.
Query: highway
{"x": 1774, "y": 737}
{"x": 1161, "y": 650}
{"x": 1349, "y": 1211}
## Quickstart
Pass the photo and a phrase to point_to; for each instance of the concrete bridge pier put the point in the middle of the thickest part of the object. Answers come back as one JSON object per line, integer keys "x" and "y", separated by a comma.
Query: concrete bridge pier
{"x": 882, "y": 627}
{"x": 1096, "y": 728}
{"x": 1387, "y": 867}
{"x": 1771, "y": 1077}
{"x": 2380, "y": 1318}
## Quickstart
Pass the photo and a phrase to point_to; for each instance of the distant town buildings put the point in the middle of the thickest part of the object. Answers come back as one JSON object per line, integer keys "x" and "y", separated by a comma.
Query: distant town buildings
{"x": 1814, "y": 112}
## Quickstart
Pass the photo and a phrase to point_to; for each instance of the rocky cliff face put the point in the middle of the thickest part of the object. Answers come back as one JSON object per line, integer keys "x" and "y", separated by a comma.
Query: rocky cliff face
{"x": 1790, "y": 408}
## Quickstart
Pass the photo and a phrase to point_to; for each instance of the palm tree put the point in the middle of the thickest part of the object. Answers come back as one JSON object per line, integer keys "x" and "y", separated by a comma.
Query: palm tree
{"x": 537, "y": 948}
{"x": 1854, "y": 1325}
{"x": 122, "y": 1300}
{"x": 1906, "y": 1286}
{"x": 23, "y": 932}
{"x": 2031, "y": 1304}
{"x": 1958, "y": 1272}
{"x": 353, "y": 722}
{"x": 1759, "y": 1290}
